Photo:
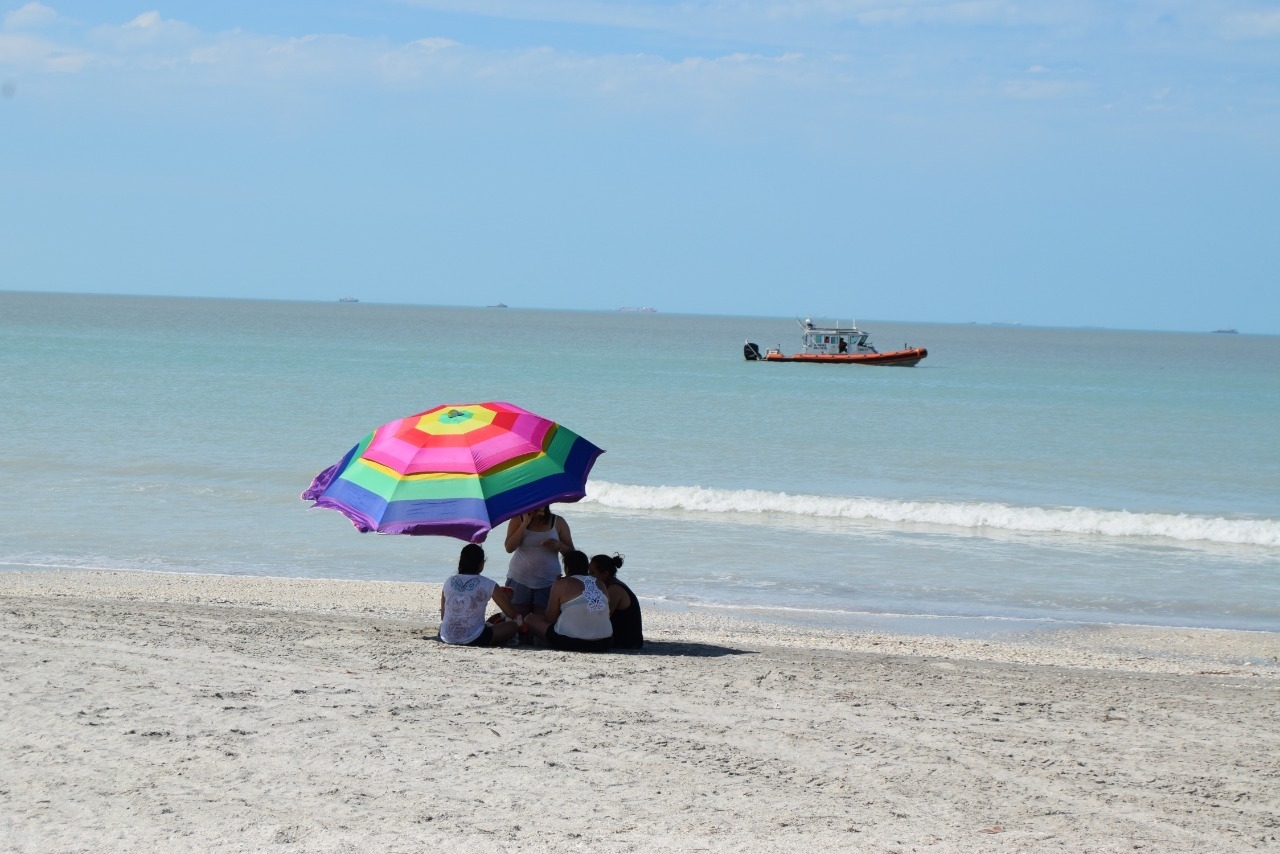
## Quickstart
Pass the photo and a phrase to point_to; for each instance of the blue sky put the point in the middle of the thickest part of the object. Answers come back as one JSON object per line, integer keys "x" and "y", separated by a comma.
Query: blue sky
{"x": 1061, "y": 162}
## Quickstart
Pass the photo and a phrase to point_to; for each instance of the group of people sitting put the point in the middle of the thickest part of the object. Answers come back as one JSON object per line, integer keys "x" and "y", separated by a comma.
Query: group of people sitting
{"x": 586, "y": 610}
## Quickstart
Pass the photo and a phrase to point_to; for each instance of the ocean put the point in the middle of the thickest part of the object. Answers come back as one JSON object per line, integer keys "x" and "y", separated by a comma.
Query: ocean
{"x": 1018, "y": 477}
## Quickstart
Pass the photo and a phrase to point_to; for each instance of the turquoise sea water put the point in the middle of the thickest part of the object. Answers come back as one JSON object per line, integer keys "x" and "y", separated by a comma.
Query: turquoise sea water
{"x": 1016, "y": 474}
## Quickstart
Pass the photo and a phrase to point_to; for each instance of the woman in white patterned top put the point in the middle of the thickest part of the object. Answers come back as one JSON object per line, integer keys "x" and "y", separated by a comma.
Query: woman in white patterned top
{"x": 577, "y": 618}
{"x": 464, "y": 598}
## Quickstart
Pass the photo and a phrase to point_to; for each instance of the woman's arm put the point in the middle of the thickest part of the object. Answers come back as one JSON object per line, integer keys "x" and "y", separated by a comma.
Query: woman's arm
{"x": 562, "y": 531}
{"x": 442, "y": 604}
{"x": 503, "y": 601}
{"x": 618, "y": 599}
{"x": 560, "y": 593}
{"x": 515, "y": 532}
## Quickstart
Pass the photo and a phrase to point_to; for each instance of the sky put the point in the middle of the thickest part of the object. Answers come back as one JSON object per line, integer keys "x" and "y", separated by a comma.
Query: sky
{"x": 1056, "y": 163}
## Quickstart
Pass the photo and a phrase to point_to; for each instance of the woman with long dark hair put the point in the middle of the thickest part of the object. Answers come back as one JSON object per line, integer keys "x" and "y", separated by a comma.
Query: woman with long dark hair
{"x": 464, "y": 598}
{"x": 624, "y": 607}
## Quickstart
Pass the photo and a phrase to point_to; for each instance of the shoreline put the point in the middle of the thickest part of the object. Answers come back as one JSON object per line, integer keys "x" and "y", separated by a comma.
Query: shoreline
{"x": 1106, "y": 646}
{"x": 835, "y": 619}
{"x": 149, "y": 711}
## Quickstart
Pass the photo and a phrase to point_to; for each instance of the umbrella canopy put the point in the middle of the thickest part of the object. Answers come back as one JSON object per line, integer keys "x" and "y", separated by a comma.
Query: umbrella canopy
{"x": 456, "y": 471}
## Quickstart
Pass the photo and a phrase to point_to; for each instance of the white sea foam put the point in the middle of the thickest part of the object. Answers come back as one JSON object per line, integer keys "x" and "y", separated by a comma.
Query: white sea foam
{"x": 968, "y": 515}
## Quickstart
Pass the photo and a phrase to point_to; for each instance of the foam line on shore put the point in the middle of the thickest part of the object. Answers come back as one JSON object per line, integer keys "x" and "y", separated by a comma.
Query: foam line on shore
{"x": 967, "y": 515}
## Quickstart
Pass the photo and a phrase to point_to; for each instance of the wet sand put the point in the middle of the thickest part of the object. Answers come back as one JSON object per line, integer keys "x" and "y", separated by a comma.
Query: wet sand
{"x": 181, "y": 712}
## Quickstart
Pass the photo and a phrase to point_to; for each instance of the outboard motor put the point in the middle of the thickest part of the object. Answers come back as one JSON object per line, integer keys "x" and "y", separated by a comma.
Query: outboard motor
{"x": 751, "y": 352}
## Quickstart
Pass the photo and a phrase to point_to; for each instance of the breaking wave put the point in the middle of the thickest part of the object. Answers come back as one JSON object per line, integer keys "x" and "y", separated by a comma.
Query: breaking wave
{"x": 968, "y": 515}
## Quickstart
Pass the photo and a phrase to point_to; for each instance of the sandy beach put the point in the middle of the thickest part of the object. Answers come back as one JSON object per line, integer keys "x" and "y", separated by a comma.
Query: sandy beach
{"x": 183, "y": 712}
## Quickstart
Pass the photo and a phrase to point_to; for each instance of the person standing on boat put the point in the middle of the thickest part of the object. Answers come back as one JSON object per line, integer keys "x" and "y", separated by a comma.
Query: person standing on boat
{"x": 535, "y": 542}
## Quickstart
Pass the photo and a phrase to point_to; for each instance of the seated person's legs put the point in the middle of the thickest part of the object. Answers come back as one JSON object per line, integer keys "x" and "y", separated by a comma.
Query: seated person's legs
{"x": 504, "y": 632}
{"x": 522, "y": 598}
{"x": 537, "y": 624}
{"x": 541, "y": 598}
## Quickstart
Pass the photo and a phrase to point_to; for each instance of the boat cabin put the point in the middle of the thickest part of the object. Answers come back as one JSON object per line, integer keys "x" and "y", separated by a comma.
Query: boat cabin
{"x": 835, "y": 340}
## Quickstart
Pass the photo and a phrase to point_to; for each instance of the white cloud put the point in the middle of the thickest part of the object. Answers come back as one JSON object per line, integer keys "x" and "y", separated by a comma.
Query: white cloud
{"x": 1042, "y": 90}
{"x": 932, "y": 13}
{"x": 33, "y": 53}
{"x": 29, "y": 17}
{"x": 778, "y": 22}
{"x": 1255, "y": 25}
{"x": 22, "y": 50}
{"x": 237, "y": 58}
{"x": 146, "y": 21}
{"x": 591, "y": 12}
{"x": 923, "y": 64}
{"x": 1002, "y": 13}
{"x": 437, "y": 44}
{"x": 148, "y": 30}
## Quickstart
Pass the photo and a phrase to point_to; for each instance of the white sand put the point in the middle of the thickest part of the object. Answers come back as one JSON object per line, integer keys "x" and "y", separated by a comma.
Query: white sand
{"x": 177, "y": 712}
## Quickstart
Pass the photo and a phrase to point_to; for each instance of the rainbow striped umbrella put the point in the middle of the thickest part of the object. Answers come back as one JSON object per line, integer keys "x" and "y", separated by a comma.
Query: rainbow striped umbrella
{"x": 456, "y": 471}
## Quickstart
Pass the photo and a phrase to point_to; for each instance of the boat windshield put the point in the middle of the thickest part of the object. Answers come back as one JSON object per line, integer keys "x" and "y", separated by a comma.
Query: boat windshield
{"x": 834, "y": 340}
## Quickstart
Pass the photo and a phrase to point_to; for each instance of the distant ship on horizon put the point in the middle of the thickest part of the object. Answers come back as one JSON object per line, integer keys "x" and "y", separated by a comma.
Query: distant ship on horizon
{"x": 348, "y": 299}
{"x": 497, "y": 305}
{"x": 644, "y": 309}
{"x": 1227, "y": 331}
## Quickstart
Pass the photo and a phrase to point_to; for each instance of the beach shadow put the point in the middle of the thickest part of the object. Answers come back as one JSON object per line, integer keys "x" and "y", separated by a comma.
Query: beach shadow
{"x": 665, "y": 648}
{"x": 677, "y": 648}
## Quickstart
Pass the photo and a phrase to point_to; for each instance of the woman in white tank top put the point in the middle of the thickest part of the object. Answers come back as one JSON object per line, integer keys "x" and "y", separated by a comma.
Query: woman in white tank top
{"x": 577, "y": 617}
{"x": 535, "y": 542}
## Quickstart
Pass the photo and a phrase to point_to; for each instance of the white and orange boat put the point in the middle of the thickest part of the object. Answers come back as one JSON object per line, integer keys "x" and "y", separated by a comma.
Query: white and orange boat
{"x": 836, "y": 345}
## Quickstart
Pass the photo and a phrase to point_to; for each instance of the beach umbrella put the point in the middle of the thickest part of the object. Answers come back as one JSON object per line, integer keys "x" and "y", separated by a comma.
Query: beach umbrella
{"x": 456, "y": 470}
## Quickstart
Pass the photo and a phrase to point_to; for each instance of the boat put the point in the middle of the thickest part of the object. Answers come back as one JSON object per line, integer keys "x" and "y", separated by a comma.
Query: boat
{"x": 497, "y": 305}
{"x": 348, "y": 299}
{"x": 1226, "y": 331}
{"x": 643, "y": 309}
{"x": 836, "y": 345}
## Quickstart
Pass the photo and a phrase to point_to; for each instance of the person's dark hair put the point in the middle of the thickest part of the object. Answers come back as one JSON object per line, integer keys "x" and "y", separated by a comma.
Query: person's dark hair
{"x": 607, "y": 565}
{"x": 471, "y": 560}
{"x": 576, "y": 563}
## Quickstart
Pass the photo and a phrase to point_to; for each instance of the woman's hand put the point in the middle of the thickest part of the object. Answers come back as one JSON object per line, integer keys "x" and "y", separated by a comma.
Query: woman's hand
{"x": 515, "y": 532}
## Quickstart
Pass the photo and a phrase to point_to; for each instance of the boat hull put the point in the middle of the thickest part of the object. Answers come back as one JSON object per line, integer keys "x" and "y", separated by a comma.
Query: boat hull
{"x": 903, "y": 358}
